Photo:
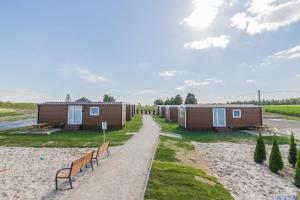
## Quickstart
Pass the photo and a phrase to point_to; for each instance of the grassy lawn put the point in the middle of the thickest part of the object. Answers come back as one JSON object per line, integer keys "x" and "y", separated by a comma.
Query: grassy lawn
{"x": 82, "y": 138}
{"x": 172, "y": 178}
{"x": 212, "y": 136}
{"x": 290, "y": 110}
{"x": 12, "y": 114}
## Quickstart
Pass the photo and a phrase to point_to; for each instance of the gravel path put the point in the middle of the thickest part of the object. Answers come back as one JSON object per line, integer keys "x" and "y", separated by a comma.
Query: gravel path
{"x": 124, "y": 175}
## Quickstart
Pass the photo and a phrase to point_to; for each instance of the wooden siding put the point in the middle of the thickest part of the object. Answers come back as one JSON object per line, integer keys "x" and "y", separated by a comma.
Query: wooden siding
{"x": 172, "y": 114}
{"x": 56, "y": 114}
{"x": 128, "y": 112}
{"x": 202, "y": 118}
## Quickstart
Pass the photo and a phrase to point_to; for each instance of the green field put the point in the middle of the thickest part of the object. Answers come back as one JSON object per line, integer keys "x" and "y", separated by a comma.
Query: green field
{"x": 213, "y": 136}
{"x": 17, "y": 111}
{"x": 172, "y": 178}
{"x": 82, "y": 138}
{"x": 290, "y": 110}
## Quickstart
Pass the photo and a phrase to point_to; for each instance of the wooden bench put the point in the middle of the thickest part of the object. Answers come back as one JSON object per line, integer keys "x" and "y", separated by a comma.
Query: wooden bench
{"x": 76, "y": 166}
{"x": 104, "y": 148}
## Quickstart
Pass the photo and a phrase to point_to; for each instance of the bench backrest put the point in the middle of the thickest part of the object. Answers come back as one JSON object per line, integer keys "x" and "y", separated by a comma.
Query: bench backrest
{"x": 103, "y": 148}
{"x": 76, "y": 166}
{"x": 87, "y": 158}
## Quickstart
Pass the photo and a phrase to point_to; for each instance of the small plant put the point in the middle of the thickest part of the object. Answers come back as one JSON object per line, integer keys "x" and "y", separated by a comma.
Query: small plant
{"x": 297, "y": 171}
{"x": 293, "y": 151}
{"x": 260, "y": 150}
{"x": 275, "y": 159}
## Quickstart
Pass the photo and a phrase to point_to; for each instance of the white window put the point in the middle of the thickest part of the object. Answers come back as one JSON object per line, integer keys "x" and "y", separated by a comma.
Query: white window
{"x": 94, "y": 111}
{"x": 236, "y": 113}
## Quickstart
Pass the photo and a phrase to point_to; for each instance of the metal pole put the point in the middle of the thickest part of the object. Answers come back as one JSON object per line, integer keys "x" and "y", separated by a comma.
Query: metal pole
{"x": 103, "y": 136}
{"x": 259, "y": 102}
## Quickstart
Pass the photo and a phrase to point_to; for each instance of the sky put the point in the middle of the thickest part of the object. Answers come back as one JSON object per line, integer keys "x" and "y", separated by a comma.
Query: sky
{"x": 138, "y": 51}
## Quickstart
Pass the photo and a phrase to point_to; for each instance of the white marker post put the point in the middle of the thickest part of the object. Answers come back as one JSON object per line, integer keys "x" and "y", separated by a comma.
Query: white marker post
{"x": 104, "y": 128}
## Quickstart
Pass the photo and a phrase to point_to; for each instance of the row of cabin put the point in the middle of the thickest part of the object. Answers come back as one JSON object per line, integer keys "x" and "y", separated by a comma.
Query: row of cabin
{"x": 213, "y": 116}
{"x": 76, "y": 115}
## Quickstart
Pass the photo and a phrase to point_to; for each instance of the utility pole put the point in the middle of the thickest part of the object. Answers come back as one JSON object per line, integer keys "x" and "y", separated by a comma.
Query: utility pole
{"x": 259, "y": 102}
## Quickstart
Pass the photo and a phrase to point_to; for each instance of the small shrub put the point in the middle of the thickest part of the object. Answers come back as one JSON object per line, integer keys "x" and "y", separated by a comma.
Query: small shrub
{"x": 275, "y": 159}
{"x": 260, "y": 150}
{"x": 293, "y": 151}
{"x": 297, "y": 171}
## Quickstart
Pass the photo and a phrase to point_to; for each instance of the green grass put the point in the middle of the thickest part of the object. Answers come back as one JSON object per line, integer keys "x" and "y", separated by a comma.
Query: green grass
{"x": 176, "y": 181}
{"x": 165, "y": 154}
{"x": 290, "y": 110}
{"x": 213, "y": 136}
{"x": 82, "y": 138}
{"x": 22, "y": 106}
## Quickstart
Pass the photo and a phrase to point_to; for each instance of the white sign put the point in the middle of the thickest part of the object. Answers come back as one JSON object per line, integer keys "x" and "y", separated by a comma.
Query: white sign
{"x": 104, "y": 125}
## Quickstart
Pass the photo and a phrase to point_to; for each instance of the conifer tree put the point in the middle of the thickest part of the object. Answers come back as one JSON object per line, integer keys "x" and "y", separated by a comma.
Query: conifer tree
{"x": 260, "y": 150}
{"x": 293, "y": 151}
{"x": 275, "y": 159}
{"x": 297, "y": 171}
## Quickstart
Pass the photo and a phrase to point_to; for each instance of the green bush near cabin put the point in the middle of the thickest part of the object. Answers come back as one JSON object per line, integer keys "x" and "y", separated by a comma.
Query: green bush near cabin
{"x": 260, "y": 150}
{"x": 275, "y": 159}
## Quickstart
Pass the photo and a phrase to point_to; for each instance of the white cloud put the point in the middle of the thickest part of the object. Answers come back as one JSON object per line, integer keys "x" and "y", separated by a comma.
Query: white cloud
{"x": 221, "y": 41}
{"x": 84, "y": 74}
{"x": 267, "y": 15}
{"x": 168, "y": 73}
{"x": 180, "y": 88}
{"x": 249, "y": 81}
{"x": 195, "y": 83}
{"x": 287, "y": 54}
{"x": 298, "y": 76}
{"x": 204, "y": 13}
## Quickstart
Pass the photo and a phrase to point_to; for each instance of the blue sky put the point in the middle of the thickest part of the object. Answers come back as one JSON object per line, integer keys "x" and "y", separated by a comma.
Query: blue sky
{"x": 141, "y": 50}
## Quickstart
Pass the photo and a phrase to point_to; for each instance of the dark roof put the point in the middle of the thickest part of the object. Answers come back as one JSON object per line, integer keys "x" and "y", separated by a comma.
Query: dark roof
{"x": 222, "y": 105}
{"x": 83, "y": 99}
{"x": 81, "y": 103}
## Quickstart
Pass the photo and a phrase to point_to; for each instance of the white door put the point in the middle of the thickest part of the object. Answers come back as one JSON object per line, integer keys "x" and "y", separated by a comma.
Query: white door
{"x": 219, "y": 117}
{"x": 75, "y": 115}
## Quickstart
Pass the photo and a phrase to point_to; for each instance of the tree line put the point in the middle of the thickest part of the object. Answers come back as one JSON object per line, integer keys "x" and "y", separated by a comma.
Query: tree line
{"x": 177, "y": 100}
{"x": 287, "y": 101}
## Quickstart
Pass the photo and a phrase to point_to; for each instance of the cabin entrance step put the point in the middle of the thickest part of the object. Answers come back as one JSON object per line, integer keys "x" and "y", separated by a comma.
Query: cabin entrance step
{"x": 223, "y": 129}
{"x": 72, "y": 127}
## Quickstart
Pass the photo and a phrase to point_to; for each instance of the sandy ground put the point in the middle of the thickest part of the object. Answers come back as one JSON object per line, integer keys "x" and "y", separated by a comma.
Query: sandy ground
{"x": 234, "y": 165}
{"x": 30, "y": 172}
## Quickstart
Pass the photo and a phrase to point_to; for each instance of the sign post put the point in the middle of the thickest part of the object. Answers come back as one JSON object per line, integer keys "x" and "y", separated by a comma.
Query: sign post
{"x": 104, "y": 128}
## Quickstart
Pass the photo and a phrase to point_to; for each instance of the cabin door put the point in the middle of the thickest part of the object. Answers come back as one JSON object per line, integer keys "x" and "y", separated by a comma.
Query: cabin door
{"x": 219, "y": 117}
{"x": 75, "y": 115}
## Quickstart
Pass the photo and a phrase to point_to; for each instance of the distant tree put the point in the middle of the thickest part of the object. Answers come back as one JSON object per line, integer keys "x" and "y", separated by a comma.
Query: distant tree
{"x": 293, "y": 151}
{"x": 168, "y": 101}
{"x": 158, "y": 102}
{"x": 297, "y": 171}
{"x": 68, "y": 98}
{"x": 190, "y": 99}
{"x": 275, "y": 159}
{"x": 177, "y": 100}
{"x": 108, "y": 98}
{"x": 260, "y": 150}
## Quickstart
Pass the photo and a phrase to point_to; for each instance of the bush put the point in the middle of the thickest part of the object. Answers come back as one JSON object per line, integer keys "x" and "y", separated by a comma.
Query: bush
{"x": 275, "y": 159}
{"x": 293, "y": 151}
{"x": 260, "y": 150}
{"x": 297, "y": 172}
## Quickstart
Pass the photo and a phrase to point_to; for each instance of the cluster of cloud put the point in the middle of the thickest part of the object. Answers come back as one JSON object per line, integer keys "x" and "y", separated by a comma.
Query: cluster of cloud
{"x": 221, "y": 41}
{"x": 84, "y": 74}
{"x": 206, "y": 82}
{"x": 267, "y": 15}
{"x": 249, "y": 81}
{"x": 167, "y": 73}
{"x": 287, "y": 54}
{"x": 204, "y": 13}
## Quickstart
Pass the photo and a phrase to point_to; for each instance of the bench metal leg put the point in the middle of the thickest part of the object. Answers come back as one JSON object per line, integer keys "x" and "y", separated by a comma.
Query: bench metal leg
{"x": 56, "y": 183}
{"x": 107, "y": 153}
{"x": 97, "y": 162}
{"x": 92, "y": 166}
{"x": 70, "y": 181}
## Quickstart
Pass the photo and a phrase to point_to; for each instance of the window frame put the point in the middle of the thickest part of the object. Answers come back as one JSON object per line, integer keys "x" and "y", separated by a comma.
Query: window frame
{"x": 237, "y": 110}
{"x": 92, "y": 114}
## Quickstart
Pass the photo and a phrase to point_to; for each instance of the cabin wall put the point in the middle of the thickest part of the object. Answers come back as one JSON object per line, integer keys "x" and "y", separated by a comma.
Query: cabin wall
{"x": 199, "y": 118}
{"x": 182, "y": 117}
{"x": 249, "y": 117}
{"x": 53, "y": 114}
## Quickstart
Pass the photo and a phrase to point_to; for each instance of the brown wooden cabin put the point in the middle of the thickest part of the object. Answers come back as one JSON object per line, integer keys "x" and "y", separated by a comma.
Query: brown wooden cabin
{"x": 172, "y": 113}
{"x": 129, "y": 111}
{"x": 82, "y": 114}
{"x": 162, "y": 111}
{"x": 219, "y": 116}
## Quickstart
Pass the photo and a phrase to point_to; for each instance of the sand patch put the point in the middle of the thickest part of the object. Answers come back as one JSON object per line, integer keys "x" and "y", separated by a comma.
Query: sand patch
{"x": 234, "y": 165}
